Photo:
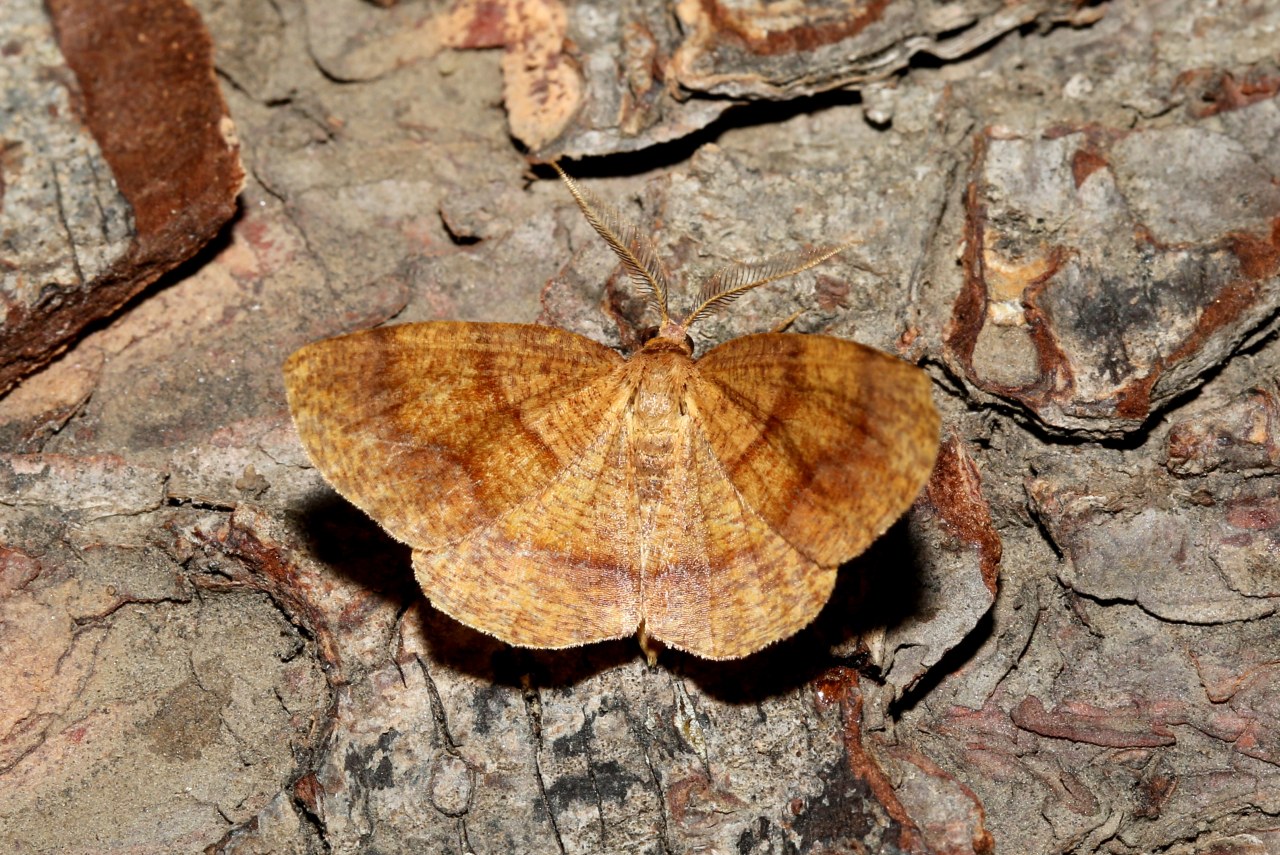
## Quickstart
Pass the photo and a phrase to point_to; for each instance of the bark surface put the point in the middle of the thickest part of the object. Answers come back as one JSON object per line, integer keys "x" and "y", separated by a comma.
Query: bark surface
{"x": 1069, "y": 216}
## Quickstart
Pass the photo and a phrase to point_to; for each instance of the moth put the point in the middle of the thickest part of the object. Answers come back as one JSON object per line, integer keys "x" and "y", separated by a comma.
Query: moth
{"x": 556, "y": 493}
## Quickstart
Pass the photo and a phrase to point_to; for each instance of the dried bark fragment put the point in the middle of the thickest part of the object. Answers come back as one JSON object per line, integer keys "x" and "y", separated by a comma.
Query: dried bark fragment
{"x": 604, "y": 79}
{"x": 1092, "y": 725}
{"x": 542, "y": 86}
{"x": 62, "y": 218}
{"x": 1106, "y": 272}
{"x": 1243, "y": 436}
{"x": 760, "y": 50}
{"x": 955, "y": 493}
{"x": 1190, "y": 557}
{"x": 154, "y": 110}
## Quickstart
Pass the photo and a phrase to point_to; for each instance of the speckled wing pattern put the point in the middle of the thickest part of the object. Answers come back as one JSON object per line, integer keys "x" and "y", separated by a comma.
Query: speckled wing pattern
{"x": 717, "y": 581}
{"x": 555, "y": 494}
{"x": 800, "y": 451}
{"x": 827, "y": 440}
{"x": 482, "y": 447}
{"x": 558, "y": 568}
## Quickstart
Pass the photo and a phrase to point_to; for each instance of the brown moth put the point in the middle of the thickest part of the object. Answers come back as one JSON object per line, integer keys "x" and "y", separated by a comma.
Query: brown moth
{"x": 556, "y": 493}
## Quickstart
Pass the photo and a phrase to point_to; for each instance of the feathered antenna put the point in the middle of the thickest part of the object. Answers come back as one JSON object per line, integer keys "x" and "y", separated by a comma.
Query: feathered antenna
{"x": 637, "y": 252}
{"x": 730, "y": 282}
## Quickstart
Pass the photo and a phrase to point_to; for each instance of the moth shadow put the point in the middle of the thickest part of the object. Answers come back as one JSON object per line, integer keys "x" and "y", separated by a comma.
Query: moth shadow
{"x": 343, "y": 538}
{"x": 877, "y": 590}
{"x": 460, "y": 648}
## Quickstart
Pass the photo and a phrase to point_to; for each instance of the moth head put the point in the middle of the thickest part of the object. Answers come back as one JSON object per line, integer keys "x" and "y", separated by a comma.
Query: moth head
{"x": 651, "y": 333}
{"x": 720, "y": 288}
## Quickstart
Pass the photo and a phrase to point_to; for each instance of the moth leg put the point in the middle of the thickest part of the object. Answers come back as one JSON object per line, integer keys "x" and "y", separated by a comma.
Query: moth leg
{"x": 782, "y": 325}
{"x": 649, "y": 645}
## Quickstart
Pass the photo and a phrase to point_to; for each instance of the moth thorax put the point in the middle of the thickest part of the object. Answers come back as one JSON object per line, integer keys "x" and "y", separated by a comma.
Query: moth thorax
{"x": 661, "y": 376}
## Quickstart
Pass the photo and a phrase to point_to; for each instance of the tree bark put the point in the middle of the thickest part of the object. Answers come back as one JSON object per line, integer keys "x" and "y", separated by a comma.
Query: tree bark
{"x": 1068, "y": 216}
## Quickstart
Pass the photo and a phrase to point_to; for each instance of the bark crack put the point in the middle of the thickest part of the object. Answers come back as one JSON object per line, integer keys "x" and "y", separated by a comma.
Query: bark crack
{"x": 464, "y": 841}
{"x": 662, "y": 803}
{"x": 438, "y": 713}
{"x": 533, "y": 709}
{"x": 950, "y": 189}
{"x": 647, "y": 737}
{"x": 66, "y": 225}
{"x": 595, "y": 788}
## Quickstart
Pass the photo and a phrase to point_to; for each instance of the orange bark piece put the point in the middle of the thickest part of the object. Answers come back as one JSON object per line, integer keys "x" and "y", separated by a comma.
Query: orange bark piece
{"x": 556, "y": 494}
